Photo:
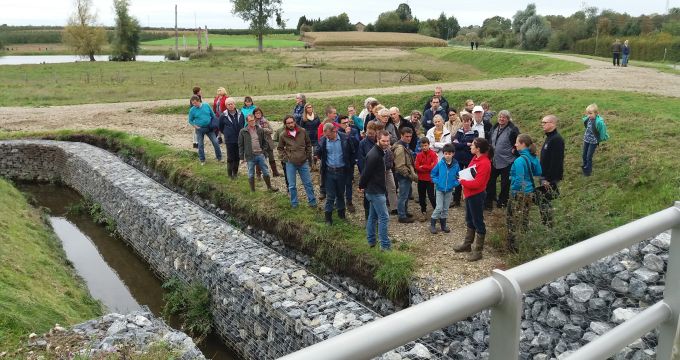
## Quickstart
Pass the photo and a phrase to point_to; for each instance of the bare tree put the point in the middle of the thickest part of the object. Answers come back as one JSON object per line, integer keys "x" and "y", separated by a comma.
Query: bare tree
{"x": 82, "y": 33}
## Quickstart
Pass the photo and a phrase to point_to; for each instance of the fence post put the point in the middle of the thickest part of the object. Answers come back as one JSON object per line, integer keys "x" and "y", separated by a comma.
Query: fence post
{"x": 269, "y": 82}
{"x": 320, "y": 78}
{"x": 505, "y": 319}
{"x": 671, "y": 296}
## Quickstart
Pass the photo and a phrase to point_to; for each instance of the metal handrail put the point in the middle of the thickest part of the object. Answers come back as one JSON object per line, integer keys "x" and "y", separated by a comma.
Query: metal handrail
{"x": 501, "y": 293}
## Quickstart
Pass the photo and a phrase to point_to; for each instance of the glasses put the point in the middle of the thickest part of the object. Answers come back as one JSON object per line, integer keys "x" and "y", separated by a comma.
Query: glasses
{"x": 344, "y": 123}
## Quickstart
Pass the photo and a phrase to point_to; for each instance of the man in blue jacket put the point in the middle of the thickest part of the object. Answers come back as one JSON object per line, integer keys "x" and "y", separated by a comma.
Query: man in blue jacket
{"x": 336, "y": 152}
{"x": 231, "y": 123}
{"x": 200, "y": 117}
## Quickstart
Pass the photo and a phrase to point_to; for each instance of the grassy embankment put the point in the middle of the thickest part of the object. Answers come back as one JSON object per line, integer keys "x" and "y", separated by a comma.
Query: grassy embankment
{"x": 245, "y": 72}
{"x": 38, "y": 287}
{"x": 635, "y": 173}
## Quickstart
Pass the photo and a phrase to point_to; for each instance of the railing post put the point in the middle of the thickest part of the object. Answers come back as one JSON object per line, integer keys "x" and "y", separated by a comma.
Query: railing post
{"x": 671, "y": 296}
{"x": 505, "y": 319}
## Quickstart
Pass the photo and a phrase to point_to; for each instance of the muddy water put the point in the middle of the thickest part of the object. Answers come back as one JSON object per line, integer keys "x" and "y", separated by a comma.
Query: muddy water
{"x": 114, "y": 274}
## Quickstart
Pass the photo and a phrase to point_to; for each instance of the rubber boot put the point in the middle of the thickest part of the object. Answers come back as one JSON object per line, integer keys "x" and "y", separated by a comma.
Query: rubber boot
{"x": 477, "y": 248}
{"x": 329, "y": 218}
{"x": 444, "y": 227}
{"x": 251, "y": 182}
{"x": 341, "y": 214}
{"x": 267, "y": 180}
{"x": 230, "y": 170}
{"x": 433, "y": 226}
{"x": 275, "y": 171}
{"x": 466, "y": 246}
{"x": 235, "y": 168}
{"x": 258, "y": 172}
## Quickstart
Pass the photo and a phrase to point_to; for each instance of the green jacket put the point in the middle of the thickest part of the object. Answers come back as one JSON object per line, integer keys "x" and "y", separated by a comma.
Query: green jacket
{"x": 600, "y": 127}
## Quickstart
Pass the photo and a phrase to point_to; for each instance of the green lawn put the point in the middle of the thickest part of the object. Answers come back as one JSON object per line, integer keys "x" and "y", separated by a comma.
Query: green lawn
{"x": 37, "y": 286}
{"x": 252, "y": 73}
{"x": 232, "y": 41}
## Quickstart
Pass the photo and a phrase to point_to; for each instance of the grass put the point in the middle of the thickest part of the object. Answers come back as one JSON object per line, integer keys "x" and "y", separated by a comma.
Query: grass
{"x": 192, "y": 304}
{"x": 38, "y": 287}
{"x": 231, "y": 41}
{"x": 635, "y": 172}
{"x": 341, "y": 248}
{"x": 360, "y": 38}
{"x": 247, "y": 72}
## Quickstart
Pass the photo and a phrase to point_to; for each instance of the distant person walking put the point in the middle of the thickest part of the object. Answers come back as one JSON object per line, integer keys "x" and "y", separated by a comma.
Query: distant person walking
{"x": 616, "y": 52}
{"x": 626, "y": 53}
{"x": 595, "y": 133}
{"x": 472, "y": 45}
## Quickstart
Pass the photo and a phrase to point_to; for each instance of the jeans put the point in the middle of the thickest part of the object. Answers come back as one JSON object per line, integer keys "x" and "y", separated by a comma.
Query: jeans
{"x": 335, "y": 189}
{"x": 426, "y": 188}
{"x": 349, "y": 181}
{"x": 377, "y": 216}
{"x": 257, "y": 160}
{"x": 200, "y": 132}
{"x": 404, "y": 192}
{"x": 504, "y": 173}
{"x": 588, "y": 151}
{"x": 624, "y": 61}
{"x": 443, "y": 202}
{"x": 474, "y": 212}
{"x": 306, "y": 178}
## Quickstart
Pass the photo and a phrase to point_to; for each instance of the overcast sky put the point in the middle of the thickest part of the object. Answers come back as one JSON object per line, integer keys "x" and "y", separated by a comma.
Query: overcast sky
{"x": 217, "y": 13}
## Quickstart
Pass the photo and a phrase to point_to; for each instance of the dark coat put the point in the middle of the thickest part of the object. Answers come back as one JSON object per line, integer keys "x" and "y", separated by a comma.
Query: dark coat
{"x": 428, "y": 115}
{"x": 463, "y": 154}
{"x": 552, "y": 157}
{"x": 230, "y": 126}
{"x": 364, "y": 147}
{"x": 442, "y": 102}
{"x": 373, "y": 178}
{"x": 311, "y": 127}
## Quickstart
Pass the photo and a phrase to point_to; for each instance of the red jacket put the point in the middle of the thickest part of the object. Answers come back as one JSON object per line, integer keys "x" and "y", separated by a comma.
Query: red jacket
{"x": 223, "y": 105}
{"x": 476, "y": 186}
{"x": 425, "y": 162}
{"x": 319, "y": 131}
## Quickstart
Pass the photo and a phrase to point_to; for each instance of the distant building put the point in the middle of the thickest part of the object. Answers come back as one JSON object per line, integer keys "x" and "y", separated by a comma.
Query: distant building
{"x": 360, "y": 26}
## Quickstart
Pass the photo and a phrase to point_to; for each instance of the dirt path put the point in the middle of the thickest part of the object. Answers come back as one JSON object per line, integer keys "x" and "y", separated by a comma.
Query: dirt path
{"x": 440, "y": 269}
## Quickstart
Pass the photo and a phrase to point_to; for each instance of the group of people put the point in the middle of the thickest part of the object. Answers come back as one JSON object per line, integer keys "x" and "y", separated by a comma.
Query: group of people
{"x": 619, "y": 50}
{"x": 446, "y": 152}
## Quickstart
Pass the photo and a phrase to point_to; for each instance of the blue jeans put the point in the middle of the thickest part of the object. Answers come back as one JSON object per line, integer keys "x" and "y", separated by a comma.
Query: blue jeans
{"x": 588, "y": 151}
{"x": 474, "y": 212}
{"x": 306, "y": 178}
{"x": 624, "y": 61}
{"x": 335, "y": 189}
{"x": 257, "y": 160}
{"x": 200, "y": 132}
{"x": 404, "y": 192}
{"x": 377, "y": 216}
{"x": 443, "y": 202}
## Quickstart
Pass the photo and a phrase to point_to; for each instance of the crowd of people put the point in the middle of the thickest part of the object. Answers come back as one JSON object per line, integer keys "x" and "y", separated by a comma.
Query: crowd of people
{"x": 448, "y": 154}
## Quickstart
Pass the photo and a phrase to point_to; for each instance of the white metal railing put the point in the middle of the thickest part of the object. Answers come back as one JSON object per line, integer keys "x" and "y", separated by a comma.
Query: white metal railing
{"x": 502, "y": 293}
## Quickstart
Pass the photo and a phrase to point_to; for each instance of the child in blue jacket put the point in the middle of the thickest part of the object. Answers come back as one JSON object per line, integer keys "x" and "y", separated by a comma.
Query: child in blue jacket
{"x": 445, "y": 179}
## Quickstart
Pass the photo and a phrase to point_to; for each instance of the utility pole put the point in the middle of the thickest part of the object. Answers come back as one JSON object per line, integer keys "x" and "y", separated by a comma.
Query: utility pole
{"x": 198, "y": 36}
{"x": 176, "y": 36}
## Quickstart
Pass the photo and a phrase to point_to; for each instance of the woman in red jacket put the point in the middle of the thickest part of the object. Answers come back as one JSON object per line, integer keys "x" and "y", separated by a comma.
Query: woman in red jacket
{"x": 475, "y": 192}
{"x": 426, "y": 160}
{"x": 219, "y": 106}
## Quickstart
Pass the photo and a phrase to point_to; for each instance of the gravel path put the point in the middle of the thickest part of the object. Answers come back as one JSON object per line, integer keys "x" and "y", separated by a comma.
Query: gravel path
{"x": 439, "y": 267}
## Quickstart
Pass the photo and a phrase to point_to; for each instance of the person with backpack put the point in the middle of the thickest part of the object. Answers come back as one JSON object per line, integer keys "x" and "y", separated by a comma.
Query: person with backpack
{"x": 522, "y": 188}
{"x": 595, "y": 133}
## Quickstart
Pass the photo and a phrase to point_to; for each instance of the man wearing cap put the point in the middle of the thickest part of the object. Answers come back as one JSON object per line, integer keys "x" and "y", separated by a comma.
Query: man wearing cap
{"x": 478, "y": 122}
{"x": 442, "y": 100}
{"x": 503, "y": 137}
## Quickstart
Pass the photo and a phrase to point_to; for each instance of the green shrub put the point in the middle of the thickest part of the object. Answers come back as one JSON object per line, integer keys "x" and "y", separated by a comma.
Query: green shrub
{"x": 192, "y": 304}
{"x": 645, "y": 48}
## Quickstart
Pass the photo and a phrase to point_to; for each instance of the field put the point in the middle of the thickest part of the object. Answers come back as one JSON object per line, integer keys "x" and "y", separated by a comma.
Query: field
{"x": 230, "y": 41}
{"x": 360, "y": 38}
{"x": 37, "y": 286}
{"x": 247, "y": 72}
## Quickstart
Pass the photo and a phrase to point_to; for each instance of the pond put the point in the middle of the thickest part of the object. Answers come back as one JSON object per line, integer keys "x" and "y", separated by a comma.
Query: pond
{"x": 57, "y": 59}
{"x": 114, "y": 274}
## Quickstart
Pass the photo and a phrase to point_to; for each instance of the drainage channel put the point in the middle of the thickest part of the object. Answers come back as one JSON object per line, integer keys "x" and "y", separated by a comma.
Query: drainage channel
{"x": 114, "y": 274}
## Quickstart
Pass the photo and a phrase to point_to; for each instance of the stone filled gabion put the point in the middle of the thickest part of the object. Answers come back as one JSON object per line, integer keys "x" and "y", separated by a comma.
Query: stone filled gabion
{"x": 264, "y": 304}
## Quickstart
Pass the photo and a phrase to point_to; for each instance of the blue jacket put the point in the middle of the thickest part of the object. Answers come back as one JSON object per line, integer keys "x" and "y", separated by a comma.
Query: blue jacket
{"x": 445, "y": 177}
{"x": 364, "y": 147}
{"x": 348, "y": 153}
{"x": 520, "y": 177}
{"x": 247, "y": 110}
{"x": 297, "y": 113}
{"x": 230, "y": 126}
{"x": 201, "y": 116}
